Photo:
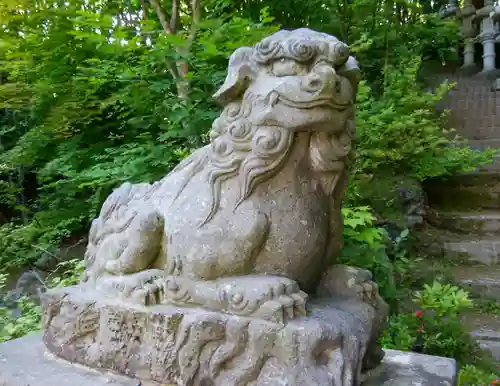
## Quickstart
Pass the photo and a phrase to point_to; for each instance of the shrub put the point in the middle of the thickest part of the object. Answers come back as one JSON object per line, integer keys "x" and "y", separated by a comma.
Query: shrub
{"x": 369, "y": 247}
{"x": 436, "y": 328}
{"x": 471, "y": 375}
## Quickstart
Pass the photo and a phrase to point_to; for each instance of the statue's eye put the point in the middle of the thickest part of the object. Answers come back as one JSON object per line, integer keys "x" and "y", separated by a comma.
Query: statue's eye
{"x": 288, "y": 67}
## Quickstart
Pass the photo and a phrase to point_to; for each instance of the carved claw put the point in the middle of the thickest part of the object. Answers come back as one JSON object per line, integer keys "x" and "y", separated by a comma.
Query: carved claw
{"x": 288, "y": 307}
{"x": 154, "y": 293}
{"x": 271, "y": 310}
{"x": 147, "y": 295}
{"x": 300, "y": 300}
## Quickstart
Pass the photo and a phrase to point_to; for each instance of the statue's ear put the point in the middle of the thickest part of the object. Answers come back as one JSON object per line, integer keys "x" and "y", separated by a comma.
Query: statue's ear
{"x": 351, "y": 71}
{"x": 239, "y": 75}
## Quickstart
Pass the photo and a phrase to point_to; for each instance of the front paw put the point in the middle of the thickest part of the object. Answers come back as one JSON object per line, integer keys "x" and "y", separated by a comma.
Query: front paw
{"x": 348, "y": 282}
{"x": 145, "y": 287}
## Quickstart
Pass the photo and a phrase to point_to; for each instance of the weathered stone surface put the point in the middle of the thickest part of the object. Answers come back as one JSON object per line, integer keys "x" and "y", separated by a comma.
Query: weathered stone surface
{"x": 482, "y": 250}
{"x": 483, "y": 282}
{"x": 25, "y": 362}
{"x": 411, "y": 369}
{"x": 191, "y": 346}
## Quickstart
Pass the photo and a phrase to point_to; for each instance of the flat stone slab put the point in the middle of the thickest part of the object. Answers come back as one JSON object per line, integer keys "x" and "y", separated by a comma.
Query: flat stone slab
{"x": 481, "y": 281}
{"x": 489, "y": 340}
{"x": 477, "y": 222}
{"x": 411, "y": 369}
{"x": 492, "y": 347}
{"x": 485, "y": 250}
{"x": 485, "y": 328}
{"x": 26, "y": 362}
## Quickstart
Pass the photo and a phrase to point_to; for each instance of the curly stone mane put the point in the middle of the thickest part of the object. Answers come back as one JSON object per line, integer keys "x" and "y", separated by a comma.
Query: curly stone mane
{"x": 250, "y": 153}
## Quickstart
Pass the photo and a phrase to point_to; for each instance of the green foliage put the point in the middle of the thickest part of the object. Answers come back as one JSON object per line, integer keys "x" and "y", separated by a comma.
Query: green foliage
{"x": 401, "y": 333}
{"x": 368, "y": 246}
{"x": 443, "y": 333}
{"x": 359, "y": 227}
{"x": 488, "y": 306}
{"x": 445, "y": 300}
{"x": 92, "y": 95}
{"x": 12, "y": 327}
{"x": 471, "y": 375}
{"x": 67, "y": 273}
{"x": 437, "y": 328}
{"x": 110, "y": 107}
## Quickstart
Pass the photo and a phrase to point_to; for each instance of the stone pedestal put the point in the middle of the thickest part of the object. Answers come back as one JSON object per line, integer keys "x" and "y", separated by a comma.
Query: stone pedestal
{"x": 192, "y": 346}
{"x": 26, "y": 362}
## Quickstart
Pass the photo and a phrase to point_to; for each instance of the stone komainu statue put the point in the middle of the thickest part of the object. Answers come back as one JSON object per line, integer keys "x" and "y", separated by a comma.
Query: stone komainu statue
{"x": 246, "y": 226}
{"x": 263, "y": 198}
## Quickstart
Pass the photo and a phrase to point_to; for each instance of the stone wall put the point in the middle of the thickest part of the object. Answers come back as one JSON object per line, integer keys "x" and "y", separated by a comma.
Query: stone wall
{"x": 474, "y": 105}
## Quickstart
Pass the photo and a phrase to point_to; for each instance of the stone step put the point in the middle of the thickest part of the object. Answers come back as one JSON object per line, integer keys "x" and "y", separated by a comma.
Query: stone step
{"x": 480, "y": 222}
{"x": 488, "y": 340}
{"x": 485, "y": 250}
{"x": 485, "y": 328}
{"x": 465, "y": 192}
{"x": 481, "y": 281}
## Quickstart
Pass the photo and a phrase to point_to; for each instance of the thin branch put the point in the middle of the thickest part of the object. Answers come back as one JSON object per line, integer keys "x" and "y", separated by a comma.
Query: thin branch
{"x": 175, "y": 16}
{"x": 182, "y": 65}
{"x": 196, "y": 9}
{"x": 181, "y": 68}
{"x": 162, "y": 15}
{"x": 144, "y": 6}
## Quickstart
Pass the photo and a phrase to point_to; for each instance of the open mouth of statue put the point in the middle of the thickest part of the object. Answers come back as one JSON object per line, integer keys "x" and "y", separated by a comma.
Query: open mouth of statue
{"x": 275, "y": 97}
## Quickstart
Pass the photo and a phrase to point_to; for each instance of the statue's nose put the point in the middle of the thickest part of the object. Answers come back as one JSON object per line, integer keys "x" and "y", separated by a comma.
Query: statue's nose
{"x": 313, "y": 83}
{"x": 321, "y": 80}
